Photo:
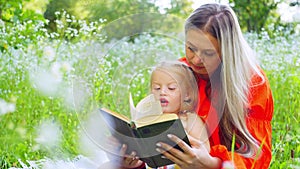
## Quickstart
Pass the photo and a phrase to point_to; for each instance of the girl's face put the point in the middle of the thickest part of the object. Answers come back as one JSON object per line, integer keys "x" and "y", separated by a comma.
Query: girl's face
{"x": 202, "y": 52}
{"x": 167, "y": 90}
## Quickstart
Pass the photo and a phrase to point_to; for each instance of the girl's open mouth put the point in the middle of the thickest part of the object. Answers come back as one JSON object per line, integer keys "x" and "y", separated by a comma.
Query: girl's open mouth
{"x": 164, "y": 102}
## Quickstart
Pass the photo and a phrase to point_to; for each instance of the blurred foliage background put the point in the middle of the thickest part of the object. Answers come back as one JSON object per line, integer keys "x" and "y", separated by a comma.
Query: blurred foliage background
{"x": 254, "y": 15}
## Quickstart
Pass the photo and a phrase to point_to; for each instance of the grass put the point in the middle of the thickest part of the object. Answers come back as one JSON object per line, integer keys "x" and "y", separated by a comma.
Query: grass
{"x": 42, "y": 77}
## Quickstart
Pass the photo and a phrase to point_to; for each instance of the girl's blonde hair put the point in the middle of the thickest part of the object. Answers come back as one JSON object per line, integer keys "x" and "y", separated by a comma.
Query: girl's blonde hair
{"x": 232, "y": 80}
{"x": 186, "y": 81}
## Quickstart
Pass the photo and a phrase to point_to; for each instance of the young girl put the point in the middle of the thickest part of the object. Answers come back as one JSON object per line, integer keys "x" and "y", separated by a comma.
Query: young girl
{"x": 173, "y": 83}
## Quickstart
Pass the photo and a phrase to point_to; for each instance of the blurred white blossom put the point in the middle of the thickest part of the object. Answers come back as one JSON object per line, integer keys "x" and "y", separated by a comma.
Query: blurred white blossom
{"x": 50, "y": 82}
{"x": 296, "y": 16}
{"x": 59, "y": 68}
{"x": 76, "y": 95}
{"x": 31, "y": 164}
{"x": 93, "y": 138}
{"x": 46, "y": 82}
{"x": 49, "y": 134}
{"x": 56, "y": 71}
{"x": 49, "y": 53}
{"x": 2, "y": 23}
{"x": 6, "y": 107}
{"x": 79, "y": 162}
{"x": 228, "y": 165}
{"x": 66, "y": 67}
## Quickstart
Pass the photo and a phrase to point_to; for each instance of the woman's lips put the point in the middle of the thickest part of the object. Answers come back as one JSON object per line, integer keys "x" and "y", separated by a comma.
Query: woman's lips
{"x": 197, "y": 68}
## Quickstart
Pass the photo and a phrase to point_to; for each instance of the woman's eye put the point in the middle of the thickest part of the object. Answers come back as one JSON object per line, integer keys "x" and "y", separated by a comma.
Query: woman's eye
{"x": 209, "y": 53}
{"x": 191, "y": 49}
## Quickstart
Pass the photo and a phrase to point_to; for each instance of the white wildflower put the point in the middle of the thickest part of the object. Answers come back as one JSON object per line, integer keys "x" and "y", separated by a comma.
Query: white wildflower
{"x": 57, "y": 13}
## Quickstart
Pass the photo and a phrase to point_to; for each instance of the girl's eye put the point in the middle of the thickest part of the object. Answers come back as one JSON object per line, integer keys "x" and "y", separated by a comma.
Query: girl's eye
{"x": 173, "y": 87}
{"x": 156, "y": 88}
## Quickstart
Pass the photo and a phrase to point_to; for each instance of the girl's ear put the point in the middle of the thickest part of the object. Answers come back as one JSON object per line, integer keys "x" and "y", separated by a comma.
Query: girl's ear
{"x": 187, "y": 102}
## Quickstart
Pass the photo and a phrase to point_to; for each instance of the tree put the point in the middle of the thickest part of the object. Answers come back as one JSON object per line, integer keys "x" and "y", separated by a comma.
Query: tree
{"x": 254, "y": 14}
{"x": 12, "y": 11}
{"x": 180, "y": 8}
{"x": 114, "y": 9}
{"x": 123, "y": 18}
{"x": 55, "y": 6}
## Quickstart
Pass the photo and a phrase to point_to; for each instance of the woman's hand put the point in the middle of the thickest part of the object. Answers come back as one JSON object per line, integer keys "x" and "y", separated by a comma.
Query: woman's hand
{"x": 195, "y": 157}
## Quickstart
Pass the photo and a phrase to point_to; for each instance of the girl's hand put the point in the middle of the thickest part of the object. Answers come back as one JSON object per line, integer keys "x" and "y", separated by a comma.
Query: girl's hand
{"x": 129, "y": 161}
{"x": 118, "y": 157}
{"x": 195, "y": 157}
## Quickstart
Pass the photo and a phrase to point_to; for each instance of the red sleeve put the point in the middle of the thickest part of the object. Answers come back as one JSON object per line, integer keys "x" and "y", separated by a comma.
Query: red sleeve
{"x": 259, "y": 125}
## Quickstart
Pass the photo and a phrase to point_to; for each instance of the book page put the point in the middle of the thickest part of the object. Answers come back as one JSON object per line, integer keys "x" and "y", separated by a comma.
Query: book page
{"x": 146, "y": 107}
{"x": 154, "y": 119}
{"x": 117, "y": 115}
{"x": 133, "y": 111}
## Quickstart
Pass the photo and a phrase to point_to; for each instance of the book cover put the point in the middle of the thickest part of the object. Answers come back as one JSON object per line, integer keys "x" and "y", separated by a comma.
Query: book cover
{"x": 147, "y": 127}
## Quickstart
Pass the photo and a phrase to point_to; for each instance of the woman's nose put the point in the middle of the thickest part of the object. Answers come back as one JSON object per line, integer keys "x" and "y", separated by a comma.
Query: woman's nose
{"x": 197, "y": 59}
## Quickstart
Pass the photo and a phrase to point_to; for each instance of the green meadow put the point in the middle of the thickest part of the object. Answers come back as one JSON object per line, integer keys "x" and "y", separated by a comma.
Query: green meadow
{"x": 51, "y": 83}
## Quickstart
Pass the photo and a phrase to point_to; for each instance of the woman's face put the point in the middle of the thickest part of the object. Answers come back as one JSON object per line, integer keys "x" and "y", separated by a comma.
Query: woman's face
{"x": 167, "y": 91}
{"x": 202, "y": 52}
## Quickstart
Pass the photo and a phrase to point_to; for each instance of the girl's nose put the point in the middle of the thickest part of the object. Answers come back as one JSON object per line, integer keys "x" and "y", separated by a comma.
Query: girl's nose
{"x": 163, "y": 91}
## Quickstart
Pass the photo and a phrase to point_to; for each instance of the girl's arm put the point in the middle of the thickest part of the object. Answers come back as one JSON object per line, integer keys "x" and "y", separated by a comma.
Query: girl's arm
{"x": 196, "y": 128}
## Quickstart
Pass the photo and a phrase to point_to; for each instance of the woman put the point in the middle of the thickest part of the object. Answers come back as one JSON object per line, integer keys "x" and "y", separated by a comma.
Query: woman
{"x": 235, "y": 98}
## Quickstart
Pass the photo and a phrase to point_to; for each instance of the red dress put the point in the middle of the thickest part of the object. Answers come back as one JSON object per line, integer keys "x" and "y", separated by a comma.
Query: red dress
{"x": 258, "y": 122}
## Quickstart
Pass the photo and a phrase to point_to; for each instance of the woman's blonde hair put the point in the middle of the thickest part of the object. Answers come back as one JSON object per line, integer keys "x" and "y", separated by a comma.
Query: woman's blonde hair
{"x": 186, "y": 81}
{"x": 232, "y": 80}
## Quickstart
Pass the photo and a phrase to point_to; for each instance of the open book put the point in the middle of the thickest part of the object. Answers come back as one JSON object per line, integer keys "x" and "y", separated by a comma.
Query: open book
{"x": 146, "y": 127}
